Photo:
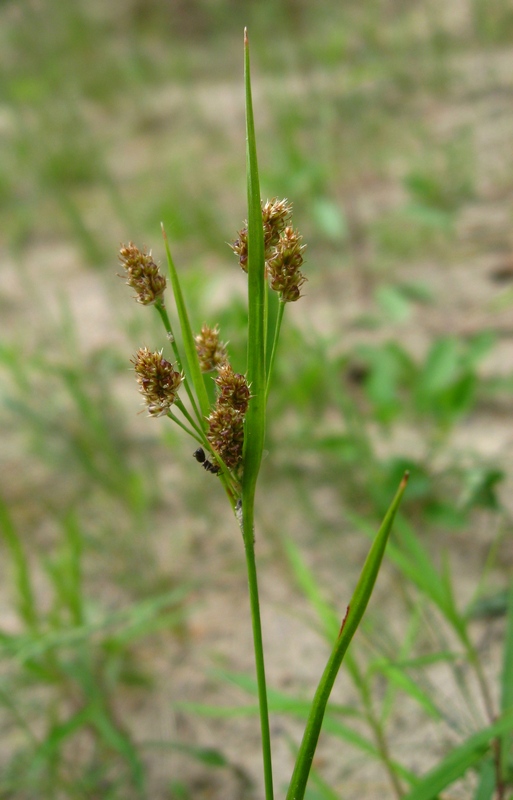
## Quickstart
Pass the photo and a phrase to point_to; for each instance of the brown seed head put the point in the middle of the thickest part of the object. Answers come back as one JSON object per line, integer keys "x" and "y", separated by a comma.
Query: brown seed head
{"x": 226, "y": 434}
{"x": 211, "y": 352}
{"x": 284, "y": 268}
{"x": 275, "y": 215}
{"x": 158, "y": 381}
{"x": 143, "y": 275}
{"x": 233, "y": 390}
{"x": 240, "y": 248}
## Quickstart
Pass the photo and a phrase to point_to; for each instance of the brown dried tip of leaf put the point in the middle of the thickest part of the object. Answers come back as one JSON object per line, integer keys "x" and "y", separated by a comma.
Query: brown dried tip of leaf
{"x": 142, "y": 274}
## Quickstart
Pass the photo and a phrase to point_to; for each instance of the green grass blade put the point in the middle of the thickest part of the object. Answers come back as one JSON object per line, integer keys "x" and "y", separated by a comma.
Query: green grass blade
{"x": 354, "y": 614}
{"x": 398, "y": 678}
{"x": 306, "y": 580}
{"x": 254, "y": 426}
{"x": 255, "y": 419}
{"x": 485, "y": 789}
{"x": 189, "y": 346}
{"x": 26, "y": 603}
{"x": 415, "y": 563}
{"x": 121, "y": 742}
{"x": 507, "y": 683}
{"x": 459, "y": 760}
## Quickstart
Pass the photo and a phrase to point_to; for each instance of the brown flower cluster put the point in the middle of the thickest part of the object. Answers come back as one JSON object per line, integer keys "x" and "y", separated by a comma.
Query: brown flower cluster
{"x": 158, "y": 381}
{"x": 211, "y": 351}
{"x": 143, "y": 275}
{"x": 284, "y": 267}
{"x": 226, "y": 422}
{"x": 283, "y": 250}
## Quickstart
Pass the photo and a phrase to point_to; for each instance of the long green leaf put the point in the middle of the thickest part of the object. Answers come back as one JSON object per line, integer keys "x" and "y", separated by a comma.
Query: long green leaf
{"x": 187, "y": 336}
{"x": 354, "y": 614}
{"x": 254, "y": 431}
{"x": 254, "y": 426}
{"x": 27, "y": 607}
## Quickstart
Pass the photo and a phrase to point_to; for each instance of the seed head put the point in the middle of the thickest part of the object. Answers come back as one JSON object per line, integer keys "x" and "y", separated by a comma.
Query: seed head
{"x": 143, "y": 275}
{"x": 226, "y": 434}
{"x": 240, "y": 247}
{"x": 211, "y": 352}
{"x": 275, "y": 215}
{"x": 284, "y": 268}
{"x": 158, "y": 381}
{"x": 233, "y": 389}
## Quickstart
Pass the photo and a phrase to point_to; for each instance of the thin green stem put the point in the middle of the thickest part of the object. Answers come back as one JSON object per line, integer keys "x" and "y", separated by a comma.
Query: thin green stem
{"x": 179, "y": 404}
{"x": 161, "y": 308}
{"x": 183, "y": 426}
{"x": 254, "y": 426}
{"x": 279, "y": 319}
{"x": 249, "y": 546}
{"x": 375, "y": 724}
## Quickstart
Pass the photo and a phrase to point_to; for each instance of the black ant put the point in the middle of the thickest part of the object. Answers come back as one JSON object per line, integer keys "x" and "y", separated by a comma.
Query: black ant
{"x": 200, "y": 456}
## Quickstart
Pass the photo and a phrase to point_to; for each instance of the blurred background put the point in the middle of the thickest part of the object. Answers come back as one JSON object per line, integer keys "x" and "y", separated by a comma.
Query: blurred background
{"x": 389, "y": 125}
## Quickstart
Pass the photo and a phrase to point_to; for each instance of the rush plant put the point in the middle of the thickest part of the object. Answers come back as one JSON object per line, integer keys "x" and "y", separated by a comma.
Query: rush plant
{"x": 229, "y": 435}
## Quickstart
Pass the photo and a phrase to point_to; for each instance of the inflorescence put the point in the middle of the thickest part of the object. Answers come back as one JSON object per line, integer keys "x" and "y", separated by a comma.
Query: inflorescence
{"x": 159, "y": 380}
{"x": 283, "y": 250}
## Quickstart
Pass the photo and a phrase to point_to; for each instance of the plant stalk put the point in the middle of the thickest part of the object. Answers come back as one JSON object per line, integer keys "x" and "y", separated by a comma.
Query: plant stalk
{"x": 247, "y": 526}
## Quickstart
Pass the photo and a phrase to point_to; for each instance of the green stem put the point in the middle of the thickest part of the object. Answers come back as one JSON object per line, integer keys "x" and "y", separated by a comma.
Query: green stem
{"x": 170, "y": 335}
{"x": 247, "y": 526}
{"x": 254, "y": 426}
{"x": 183, "y": 426}
{"x": 179, "y": 404}
{"x": 374, "y": 723}
{"x": 279, "y": 319}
